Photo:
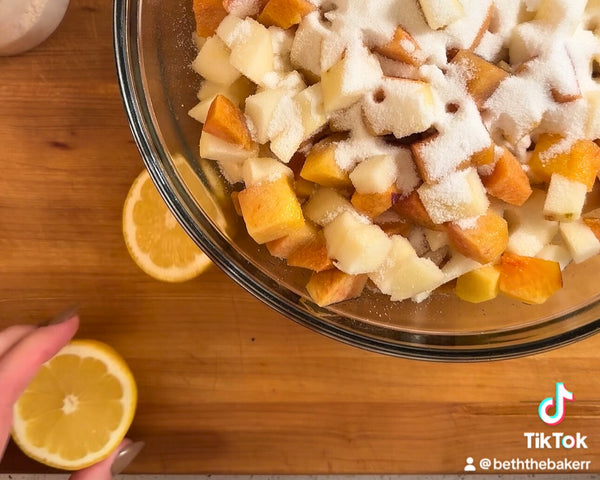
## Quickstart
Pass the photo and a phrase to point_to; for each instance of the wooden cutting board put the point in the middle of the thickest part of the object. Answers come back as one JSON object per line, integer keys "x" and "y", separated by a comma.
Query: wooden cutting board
{"x": 227, "y": 385}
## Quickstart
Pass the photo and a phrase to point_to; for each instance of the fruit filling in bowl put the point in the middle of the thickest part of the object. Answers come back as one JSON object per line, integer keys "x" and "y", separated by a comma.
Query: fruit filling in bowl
{"x": 408, "y": 145}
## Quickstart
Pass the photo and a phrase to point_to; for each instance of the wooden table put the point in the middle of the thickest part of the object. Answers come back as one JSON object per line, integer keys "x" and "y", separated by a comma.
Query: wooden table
{"x": 227, "y": 385}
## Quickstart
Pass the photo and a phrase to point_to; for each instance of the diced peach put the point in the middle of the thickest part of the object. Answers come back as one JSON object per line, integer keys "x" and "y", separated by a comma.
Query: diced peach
{"x": 284, "y": 246}
{"x": 373, "y": 204}
{"x": 226, "y": 121}
{"x": 530, "y": 280}
{"x": 271, "y": 210}
{"x": 483, "y": 76}
{"x": 304, "y": 188}
{"x": 333, "y": 286}
{"x": 594, "y": 225}
{"x": 508, "y": 181}
{"x": 579, "y": 161}
{"x": 285, "y": 13}
{"x": 402, "y": 48}
{"x": 320, "y": 166}
{"x": 411, "y": 209}
{"x": 484, "y": 242}
{"x": 208, "y": 14}
{"x": 479, "y": 285}
{"x": 484, "y": 157}
{"x": 311, "y": 255}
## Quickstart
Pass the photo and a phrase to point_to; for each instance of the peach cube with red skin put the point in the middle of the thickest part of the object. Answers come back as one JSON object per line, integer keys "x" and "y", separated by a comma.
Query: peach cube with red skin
{"x": 265, "y": 223}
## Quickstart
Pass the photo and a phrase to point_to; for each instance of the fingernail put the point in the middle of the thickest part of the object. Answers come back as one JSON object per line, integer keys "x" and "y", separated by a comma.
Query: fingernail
{"x": 61, "y": 317}
{"x": 125, "y": 457}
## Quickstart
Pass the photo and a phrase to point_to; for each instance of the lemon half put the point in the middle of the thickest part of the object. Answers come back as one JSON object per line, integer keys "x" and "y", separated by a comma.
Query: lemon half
{"x": 78, "y": 408}
{"x": 156, "y": 242}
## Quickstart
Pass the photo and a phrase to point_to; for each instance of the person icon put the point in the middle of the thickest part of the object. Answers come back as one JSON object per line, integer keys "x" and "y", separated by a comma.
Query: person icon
{"x": 469, "y": 467}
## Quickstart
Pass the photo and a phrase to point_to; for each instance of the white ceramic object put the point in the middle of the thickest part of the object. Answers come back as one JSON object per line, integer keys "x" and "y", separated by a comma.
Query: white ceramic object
{"x": 24, "y": 24}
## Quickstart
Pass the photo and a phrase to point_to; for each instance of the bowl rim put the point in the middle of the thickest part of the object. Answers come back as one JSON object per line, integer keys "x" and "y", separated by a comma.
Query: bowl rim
{"x": 451, "y": 348}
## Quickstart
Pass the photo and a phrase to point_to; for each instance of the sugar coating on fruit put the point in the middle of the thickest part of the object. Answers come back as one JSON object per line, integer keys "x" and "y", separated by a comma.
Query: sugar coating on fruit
{"x": 441, "y": 112}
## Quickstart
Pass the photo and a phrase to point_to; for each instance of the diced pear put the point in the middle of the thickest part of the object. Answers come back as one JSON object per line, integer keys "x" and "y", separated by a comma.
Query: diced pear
{"x": 227, "y": 122}
{"x": 320, "y": 166}
{"x": 592, "y": 99}
{"x": 310, "y": 103}
{"x": 325, "y": 205}
{"x": 261, "y": 107}
{"x": 253, "y": 53}
{"x": 208, "y": 15}
{"x": 479, "y": 285}
{"x": 556, "y": 253}
{"x": 579, "y": 161}
{"x": 375, "y": 174}
{"x": 529, "y": 230}
{"x": 212, "y": 62}
{"x": 356, "y": 247}
{"x": 214, "y": 148}
{"x": 580, "y": 240}
{"x": 312, "y": 255}
{"x": 484, "y": 242}
{"x": 529, "y": 280}
{"x": 231, "y": 30}
{"x": 440, "y": 13}
{"x": 352, "y": 76}
{"x": 334, "y": 286}
{"x": 306, "y": 47}
{"x": 508, "y": 181}
{"x": 436, "y": 239}
{"x": 285, "y": 13}
{"x": 404, "y": 274}
{"x": 561, "y": 14}
{"x": 458, "y": 196}
{"x": 565, "y": 199}
{"x": 260, "y": 170}
{"x": 265, "y": 222}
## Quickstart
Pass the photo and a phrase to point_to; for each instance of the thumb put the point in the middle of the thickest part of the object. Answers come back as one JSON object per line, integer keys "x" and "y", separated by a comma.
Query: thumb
{"x": 114, "y": 464}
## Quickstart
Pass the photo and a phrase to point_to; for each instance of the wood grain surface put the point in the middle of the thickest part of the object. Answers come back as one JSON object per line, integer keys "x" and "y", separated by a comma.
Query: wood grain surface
{"x": 227, "y": 385}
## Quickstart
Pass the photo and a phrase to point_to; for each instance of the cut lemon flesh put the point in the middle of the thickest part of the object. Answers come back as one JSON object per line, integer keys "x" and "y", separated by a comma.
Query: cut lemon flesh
{"x": 78, "y": 408}
{"x": 156, "y": 242}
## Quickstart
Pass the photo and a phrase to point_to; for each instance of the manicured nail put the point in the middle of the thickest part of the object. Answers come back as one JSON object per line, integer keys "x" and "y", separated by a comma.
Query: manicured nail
{"x": 125, "y": 457}
{"x": 61, "y": 317}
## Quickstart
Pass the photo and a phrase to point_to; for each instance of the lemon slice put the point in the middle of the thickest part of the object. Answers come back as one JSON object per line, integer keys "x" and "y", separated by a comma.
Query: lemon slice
{"x": 78, "y": 408}
{"x": 156, "y": 242}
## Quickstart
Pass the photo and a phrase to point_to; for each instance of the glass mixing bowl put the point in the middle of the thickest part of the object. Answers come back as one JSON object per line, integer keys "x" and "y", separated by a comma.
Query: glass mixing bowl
{"x": 154, "y": 50}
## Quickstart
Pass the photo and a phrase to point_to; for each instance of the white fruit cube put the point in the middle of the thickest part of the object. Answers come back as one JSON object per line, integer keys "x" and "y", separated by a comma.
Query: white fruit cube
{"x": 561, "y": 14}
{"x": 355, "y": 246}
{"x": 232, "y": 30}
{"x": 592, "y": 99}
{"x": 458, "y": 196}
{"x": 236, "y": 92}
{"x": 308, "y": 40}
{"x": 565, "y": 199}
{"x": 401, "y": 106}
{"x": 440, "y": 13}
{"x": 288, "y": 121}
{"x": 310, "y": 103}
{"x": 580, "y": 240}
{"x": 436, "y": 239}
{"x": 259, "y": 170}
{"x": 260, "y": 108}
{"x": 232, "y": 170}
{"x": 556, "y": 253}
{"x": 529, "y": 231}
{"x": 325, "y": 205}
{"x": 374, "y": 174}
{"x": 355, "y": 74}
{"x": 214, "y": 148}
{"x": 212, "y": 62}
{"x": 253, "y": 53}
{"x": 404, "y": 274}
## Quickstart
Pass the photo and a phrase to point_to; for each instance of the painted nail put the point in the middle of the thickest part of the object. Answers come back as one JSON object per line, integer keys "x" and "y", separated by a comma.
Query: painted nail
{"x": 61, "y": 317}
{"x": 125, "y": 457}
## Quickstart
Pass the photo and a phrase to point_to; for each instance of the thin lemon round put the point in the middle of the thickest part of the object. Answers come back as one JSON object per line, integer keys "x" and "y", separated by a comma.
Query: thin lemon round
{"x": 78, "y": 408}
{"x": 156, "y": 242}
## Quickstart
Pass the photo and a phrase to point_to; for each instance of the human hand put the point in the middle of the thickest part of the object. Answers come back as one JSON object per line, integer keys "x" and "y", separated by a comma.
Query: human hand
{"x": 23, "y": 350}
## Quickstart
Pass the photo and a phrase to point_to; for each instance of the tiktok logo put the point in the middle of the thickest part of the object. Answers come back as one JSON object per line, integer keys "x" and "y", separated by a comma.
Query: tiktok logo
{"x": 562, "y": 395}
